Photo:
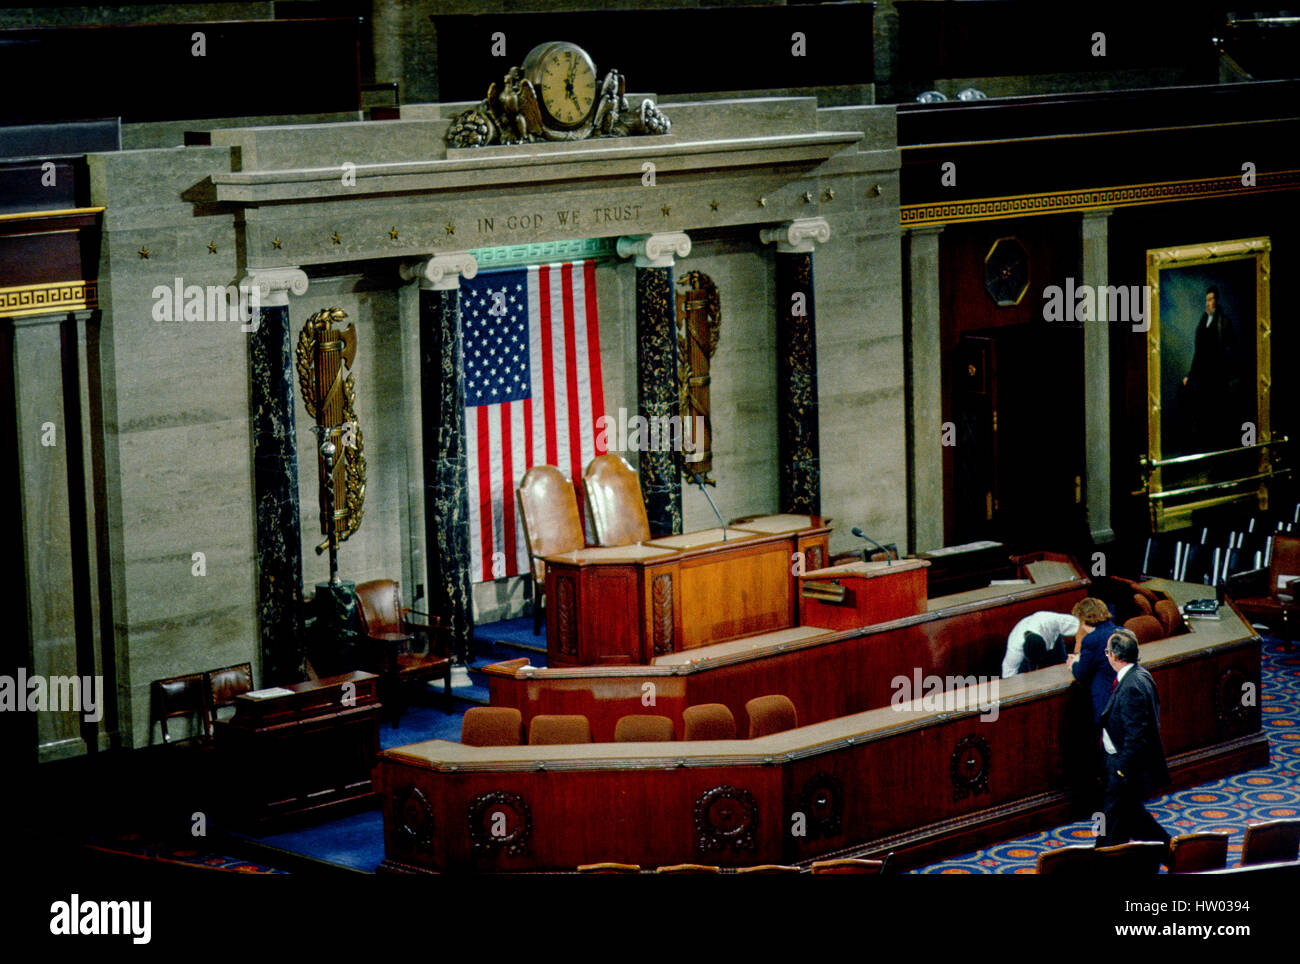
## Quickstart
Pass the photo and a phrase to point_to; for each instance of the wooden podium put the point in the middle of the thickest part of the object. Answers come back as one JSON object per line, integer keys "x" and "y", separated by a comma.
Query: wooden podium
{"x": 862, "y": 593}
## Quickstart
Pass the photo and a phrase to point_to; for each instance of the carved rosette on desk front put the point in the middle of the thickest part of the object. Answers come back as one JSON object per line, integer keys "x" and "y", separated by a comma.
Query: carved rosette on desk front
{"x": 969, "y": 767}
{"x": 726, "y": 817}
{"x": 413, "y": 817}
{"x": 822, "y": 799}
{"x": 1230, "y": 711}
{"x": 500, "y": 821}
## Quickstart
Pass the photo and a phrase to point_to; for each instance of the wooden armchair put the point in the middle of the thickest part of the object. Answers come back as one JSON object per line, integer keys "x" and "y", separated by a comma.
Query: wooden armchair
{"x": 548, "y": 507}
{"x": 391, "y": 642}
{"x": 223, "y": 685}
{"x": 1272, "y": 596}
{"x": 616, "y": 504}
{"x": 179, "y": 696}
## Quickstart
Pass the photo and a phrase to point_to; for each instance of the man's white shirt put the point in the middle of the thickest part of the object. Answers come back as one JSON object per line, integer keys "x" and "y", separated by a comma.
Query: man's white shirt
{"x": 1047, "y": 624}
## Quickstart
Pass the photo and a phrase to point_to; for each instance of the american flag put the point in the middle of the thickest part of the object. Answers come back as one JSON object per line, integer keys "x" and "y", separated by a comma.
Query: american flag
{"x": 533, "y": 392}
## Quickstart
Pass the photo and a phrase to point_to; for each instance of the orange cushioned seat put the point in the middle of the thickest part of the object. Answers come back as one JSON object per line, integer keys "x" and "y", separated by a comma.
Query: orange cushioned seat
{"x": 848, "y": 865}
{"x": 1146, "y": 628}
{"x": 1190, "y": 853}
{"x": 708, "y": 721}
{"x": 1170, "y": 618}
{"x": 492, "y": 726}
{"x": 641, "y": 728}
{"x": 558, "y": 729}
{"x": 770, "y": 714}
{"x": 1270, "y": 842}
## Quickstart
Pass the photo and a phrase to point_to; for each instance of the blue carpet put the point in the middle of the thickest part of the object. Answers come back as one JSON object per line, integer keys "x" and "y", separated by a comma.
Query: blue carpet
{"x": 356, "y": 841}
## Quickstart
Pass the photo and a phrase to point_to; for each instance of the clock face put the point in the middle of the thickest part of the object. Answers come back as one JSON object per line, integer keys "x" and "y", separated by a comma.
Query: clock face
{"x": 565, "y": 79}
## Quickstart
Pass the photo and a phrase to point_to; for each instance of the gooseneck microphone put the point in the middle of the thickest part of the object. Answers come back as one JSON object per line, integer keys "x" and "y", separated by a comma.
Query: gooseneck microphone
{"x": 862, "y": 535}
{"x": 700, "y": 482}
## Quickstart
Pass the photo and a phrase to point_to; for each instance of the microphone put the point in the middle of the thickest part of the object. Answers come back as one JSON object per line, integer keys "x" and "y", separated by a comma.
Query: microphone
{"x": 862, "y": 535}
{"x": 699, "y": 482}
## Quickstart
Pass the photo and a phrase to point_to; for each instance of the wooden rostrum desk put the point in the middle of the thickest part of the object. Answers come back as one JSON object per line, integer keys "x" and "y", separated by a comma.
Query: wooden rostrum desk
{"x": 685, "y": 590}
{"x": 303, "y": 747}
{"x": 922, "y": 783}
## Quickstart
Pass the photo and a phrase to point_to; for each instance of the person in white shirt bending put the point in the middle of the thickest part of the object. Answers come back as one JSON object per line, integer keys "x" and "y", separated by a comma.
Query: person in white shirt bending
{"x": 1038, "y": 640}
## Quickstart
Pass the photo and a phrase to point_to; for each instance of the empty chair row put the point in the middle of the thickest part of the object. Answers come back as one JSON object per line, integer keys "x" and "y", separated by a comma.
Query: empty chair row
{"x": 1271, "y": 842}
{"x": 503, "y": 726}
{"x": 200, "y": 695}
{"x": 845, "y": 865}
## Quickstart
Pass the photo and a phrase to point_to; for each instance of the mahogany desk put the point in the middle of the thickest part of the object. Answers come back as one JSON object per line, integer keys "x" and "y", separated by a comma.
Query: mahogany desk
{"x": 306, "y": 746}
{"x": 683, "y": 591}
{"x": 827, "y": 673}
{"x": 921, "y": 782}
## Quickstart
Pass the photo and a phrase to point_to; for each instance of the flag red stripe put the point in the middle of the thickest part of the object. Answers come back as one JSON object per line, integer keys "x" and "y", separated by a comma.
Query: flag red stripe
{"x": 593, "y": 351}
{"x": 507, "y": 490}
{"x": 484, "y": 493}
{"x": 570, "y": 352}
{"x": 548, "y": 370}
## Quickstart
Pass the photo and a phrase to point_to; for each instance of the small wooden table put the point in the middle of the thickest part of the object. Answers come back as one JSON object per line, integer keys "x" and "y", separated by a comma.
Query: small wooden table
{"x": 623, "y": 605}
{"x": 303, "y": 747}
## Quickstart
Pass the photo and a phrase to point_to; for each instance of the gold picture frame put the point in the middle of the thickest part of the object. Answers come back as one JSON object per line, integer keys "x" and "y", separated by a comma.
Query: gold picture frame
{"x": 1209, "y": 378}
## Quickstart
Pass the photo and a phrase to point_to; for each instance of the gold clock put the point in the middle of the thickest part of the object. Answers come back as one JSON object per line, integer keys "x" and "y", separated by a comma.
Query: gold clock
{"x": 564, "y": 77}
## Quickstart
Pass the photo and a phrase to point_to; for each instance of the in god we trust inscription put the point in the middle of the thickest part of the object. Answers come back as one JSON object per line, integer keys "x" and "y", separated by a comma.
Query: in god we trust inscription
{"x": 535, "y": 221}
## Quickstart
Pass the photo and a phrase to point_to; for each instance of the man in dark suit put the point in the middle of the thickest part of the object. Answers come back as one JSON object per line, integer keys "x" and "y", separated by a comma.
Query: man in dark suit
{"x": 1088, "y": 661}
{"x": 1211, "y": 401}
{"x": 1135, "y": 757}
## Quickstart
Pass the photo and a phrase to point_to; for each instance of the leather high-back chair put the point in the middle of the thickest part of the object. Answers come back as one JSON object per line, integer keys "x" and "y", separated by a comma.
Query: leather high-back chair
{"x": 1276, "y": 603}
{"x": 223, "y": 685}
{"x": 1166, "y": 610}
{"x": 1146, "y": 628}
{"x": 1074, "y": 860}
{"x": 1137, "y": 858}
{"x": 1190, "y": 853}
{"x": 391, "y": 644}
{"x": 708, "y": 721}
{"x": 615, "y": 502}
{"x": 179, "y": 696}
{"x": 770, "y": 714}
{"x": 548, "y": 507}
{"x": 1271, "y": 841}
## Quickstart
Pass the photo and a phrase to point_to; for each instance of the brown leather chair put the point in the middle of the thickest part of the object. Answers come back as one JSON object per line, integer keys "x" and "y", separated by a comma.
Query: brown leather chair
{"x": 1074, "y": 861}
{"x": 770, "y": 714}
{"x": 1166, "y": 610}
{"x": 1138, "y": 858}
{"x": 1190, "y": 853}
{"x": 391, "y": 638}
{"x": 708, "y": 721}
{"x": 848, "y": 865}
{"x": 548, "y": 507}
{"x": 223, "y": 685}
{"x": 179, "y": 696}
{"x": 1143, "y": 605}
{"x": 762, "y": 869}
{"x": 1276, "y": 603}
{"x": 1271, "y": 842}
{"x": 492, "y": 726}
{"x": 688, "y": 869}
{"x": 1146, "y": 628}
{"x": 558, "y": 729}
{"x": 641, "y": 728}
{"x": 614, "y": 501}
{"x": 609, "y": 868}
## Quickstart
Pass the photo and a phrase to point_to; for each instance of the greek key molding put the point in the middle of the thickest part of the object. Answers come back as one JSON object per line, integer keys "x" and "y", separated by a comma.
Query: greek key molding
{"x": 442, "y": 272}
{"x": 57, "y": 296}
{"x": 274, "y": 285}
{"x": 655, "y": 250}
{"x": 1128, "y": 195}
{"x": 797, "y": 236}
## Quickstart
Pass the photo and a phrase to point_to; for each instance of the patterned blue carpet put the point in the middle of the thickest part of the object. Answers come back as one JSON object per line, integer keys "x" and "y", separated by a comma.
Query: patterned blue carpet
{"x": 1227, "y": 805}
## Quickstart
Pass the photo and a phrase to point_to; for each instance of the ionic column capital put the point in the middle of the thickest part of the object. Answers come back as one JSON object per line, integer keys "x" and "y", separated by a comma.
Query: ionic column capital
{"x": 442, "y": 272}
{"x": 274, "y": 285}
{"x": 797, "y": 236}
{"x": 655, "y": 250}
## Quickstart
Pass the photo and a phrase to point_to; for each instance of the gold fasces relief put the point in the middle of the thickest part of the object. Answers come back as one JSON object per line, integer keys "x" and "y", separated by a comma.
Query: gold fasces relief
{"x": 699, "y": 325}
{"x": 330, "y": 397}
{"x": 554, "y": 96}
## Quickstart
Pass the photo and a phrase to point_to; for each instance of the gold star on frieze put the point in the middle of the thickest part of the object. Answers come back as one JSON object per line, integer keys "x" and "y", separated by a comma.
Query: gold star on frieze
{"x": 762, "y": 202}
{"x": 277, "y": 243}
{"x": 336, "y": 238}
{"x": 807, "y": 197}
{"x": 393, "y": 233}
{"x": 828, "y": 194}
{"x": 212, "y": 247}
{"x": 451, "y": 228}
{"x": 713, "y": 205}
{"x": 665, "y": 210}
{"x": 144, "y": 253}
